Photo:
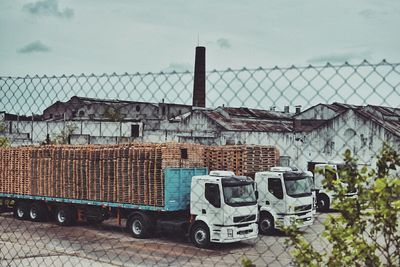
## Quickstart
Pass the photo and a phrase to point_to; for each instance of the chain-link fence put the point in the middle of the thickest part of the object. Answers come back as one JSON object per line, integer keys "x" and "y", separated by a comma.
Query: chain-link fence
{"x": 114, "y": 156}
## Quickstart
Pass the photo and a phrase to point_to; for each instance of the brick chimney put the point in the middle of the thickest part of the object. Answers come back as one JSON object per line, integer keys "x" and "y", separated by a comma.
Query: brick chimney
{"x": 199, "y": 85}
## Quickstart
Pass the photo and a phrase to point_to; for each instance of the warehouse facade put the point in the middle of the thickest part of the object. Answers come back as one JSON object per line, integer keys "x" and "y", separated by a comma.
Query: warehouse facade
{"x": 319, "y": 134}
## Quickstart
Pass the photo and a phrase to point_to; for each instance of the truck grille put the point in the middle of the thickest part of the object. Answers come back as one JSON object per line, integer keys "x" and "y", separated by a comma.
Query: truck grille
{"x": 244, "y": 218}
{"x": 244, "y": 232}
{"x": 302, "y": 208}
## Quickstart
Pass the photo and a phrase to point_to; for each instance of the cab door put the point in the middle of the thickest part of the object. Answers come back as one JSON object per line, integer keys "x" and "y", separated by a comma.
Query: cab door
{"x": 275, "y": 195}
{"x": 212, "y": 208}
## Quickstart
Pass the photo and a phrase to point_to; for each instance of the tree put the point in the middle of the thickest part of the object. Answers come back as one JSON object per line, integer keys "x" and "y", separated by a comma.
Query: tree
{"x": 112, "y": 114}
{"x": 4, "y": 142}
{"x": 2, "y": 127}
{"x": 63, "y": 136}
{"x": 366, "y": 232}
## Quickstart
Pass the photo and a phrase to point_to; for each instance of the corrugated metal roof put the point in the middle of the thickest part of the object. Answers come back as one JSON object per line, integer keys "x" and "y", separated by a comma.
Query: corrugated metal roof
{"x": 257, "y": 113}
{"x": 248, "y": 123}
{"x": 378, "y": 115}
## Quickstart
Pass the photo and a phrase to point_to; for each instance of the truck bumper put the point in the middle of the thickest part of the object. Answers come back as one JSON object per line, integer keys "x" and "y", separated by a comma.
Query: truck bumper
{"x": 300, "y": 221}
{"x": 230, "y": 234}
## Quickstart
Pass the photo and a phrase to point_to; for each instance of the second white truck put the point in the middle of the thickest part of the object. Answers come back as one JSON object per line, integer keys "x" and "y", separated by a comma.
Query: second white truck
{"x": 284, "y": 198}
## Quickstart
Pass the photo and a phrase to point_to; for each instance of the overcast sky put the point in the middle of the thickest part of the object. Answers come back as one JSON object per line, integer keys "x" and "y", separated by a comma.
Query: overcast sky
{"x": 55, "y": 37}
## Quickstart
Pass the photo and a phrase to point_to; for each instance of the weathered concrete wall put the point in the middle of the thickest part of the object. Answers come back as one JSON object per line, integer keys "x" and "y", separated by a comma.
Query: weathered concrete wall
{"x": 318, "y": 112}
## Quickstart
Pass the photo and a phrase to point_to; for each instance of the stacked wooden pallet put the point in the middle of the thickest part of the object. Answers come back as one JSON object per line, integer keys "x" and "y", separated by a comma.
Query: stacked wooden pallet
{"x": 15, "y": 170}
{"x": 130, "y": 173}
{"x": 241, "y": 159}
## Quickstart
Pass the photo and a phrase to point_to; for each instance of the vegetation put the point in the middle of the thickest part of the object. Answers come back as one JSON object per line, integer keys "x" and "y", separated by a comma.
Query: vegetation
{"x": 112, "y": 114}
{"x": 4, "y": 142}
{"x": 63, "y": 136}
{"x": 366, "y": 232}
{"x": 2, "y": 127}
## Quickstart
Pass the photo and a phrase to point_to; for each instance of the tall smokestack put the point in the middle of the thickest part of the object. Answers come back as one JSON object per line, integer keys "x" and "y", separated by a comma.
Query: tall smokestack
{"x": 199, "y": 85}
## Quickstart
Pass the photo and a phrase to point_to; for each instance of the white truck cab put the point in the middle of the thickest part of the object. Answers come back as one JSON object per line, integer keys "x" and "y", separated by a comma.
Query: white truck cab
{"x": 284, "y": 199}
{"x": 325, "y": 193}
{"x": 223, "y": 208}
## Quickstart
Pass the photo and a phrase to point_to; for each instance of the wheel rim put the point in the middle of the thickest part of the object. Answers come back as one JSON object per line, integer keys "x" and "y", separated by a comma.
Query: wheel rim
{"x": 61, "y": 216}
{"x": 137, "y": 227}
{"x": 200, "y": 236}
{"x": 33, "y": 213}
{"x": 20, "y": 212}
{"x": 265, "y": 225}
{"x": 321, "y": 204}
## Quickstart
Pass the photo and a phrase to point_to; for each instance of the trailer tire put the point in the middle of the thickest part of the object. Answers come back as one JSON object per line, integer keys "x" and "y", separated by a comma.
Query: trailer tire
{"x": 323, "y": 202}
{"x": 200, "y": 235}
{"x": 65, "y": 216}
{"x": 266, "y": 225}
{"x": 140, "y": 225}
{"x": 38, "y": 212}
{"x": 21, "y": 211}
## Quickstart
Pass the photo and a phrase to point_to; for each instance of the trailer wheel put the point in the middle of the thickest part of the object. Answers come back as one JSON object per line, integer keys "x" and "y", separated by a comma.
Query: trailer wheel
{"x": 21, "y": 211}
{"x": 65, "y": 216}
{"x": 139, "y": 225}
{"x": 322, "y": 202}
{"x": 266, "y": 224}
{"x": 200, "y": 235}
{"x": 38, "y": 212}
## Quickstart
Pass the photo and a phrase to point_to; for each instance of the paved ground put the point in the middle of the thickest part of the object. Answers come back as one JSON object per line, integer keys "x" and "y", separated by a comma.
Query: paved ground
{"x": 24, "y": 243}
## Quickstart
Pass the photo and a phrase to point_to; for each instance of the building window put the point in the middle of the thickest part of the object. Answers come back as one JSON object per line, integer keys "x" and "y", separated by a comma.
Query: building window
{"x": 364, "y": 140}
{"x": 329, "y": 147}
{"x": 284, "y": 161}
{"x": 81, "y": 113}
{"x": 163, "y": 110}
{"x": 135, "y": 130}
{"x": 184, "y": 153}
{"x": 137, "y": 108}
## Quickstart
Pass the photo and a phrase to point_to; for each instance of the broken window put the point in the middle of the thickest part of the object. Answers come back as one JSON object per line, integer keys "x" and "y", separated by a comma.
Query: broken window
{"x": 184, "y": 153}
{"x": 135, "y": 130}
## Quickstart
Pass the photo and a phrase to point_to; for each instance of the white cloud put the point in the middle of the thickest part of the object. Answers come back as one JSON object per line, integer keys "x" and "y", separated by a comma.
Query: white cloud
{"x": 224, "y": 43}
{"x": 48, "y": 8}
{"x": 33, "y": 47}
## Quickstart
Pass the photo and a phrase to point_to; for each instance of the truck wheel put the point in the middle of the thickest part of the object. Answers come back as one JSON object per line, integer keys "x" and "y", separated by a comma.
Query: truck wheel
{"x": 65, "y": 216}
{"x": 21, "y": 211}
{"x": 322, "y": 203}
{"x": 266, "y": 224}
{"x": 200, "y": 235}
{"x": 139, "y": 225}
{"x": 38, "y": 212}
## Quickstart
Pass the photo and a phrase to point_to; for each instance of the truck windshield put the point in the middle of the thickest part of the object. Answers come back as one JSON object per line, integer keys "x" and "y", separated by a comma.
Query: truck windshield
{"x": 297, "y": 186}
{"x": 239, "y": 195}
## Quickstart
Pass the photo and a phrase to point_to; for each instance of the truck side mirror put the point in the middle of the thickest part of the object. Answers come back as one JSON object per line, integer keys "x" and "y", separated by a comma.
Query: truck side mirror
{"x": 256, "y": 193}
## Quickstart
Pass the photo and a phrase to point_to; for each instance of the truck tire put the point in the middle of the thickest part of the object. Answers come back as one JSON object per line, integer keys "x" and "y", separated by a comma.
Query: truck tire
{"x": 65, "y": 216}
{"x": 200, "y": 235}
{"x": 21, "y": 210}
{"x": 38, "y": 212}
{"x": 140, "y": 226}
{"x": 323, "y": 202}
{"x": 266, "y": 224}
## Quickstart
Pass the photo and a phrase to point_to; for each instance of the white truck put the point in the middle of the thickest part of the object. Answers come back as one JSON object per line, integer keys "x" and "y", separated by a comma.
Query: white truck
{"x": 223, "y": 209}
{"x": 284, "y": 198}
{"x": 325, "y": 193}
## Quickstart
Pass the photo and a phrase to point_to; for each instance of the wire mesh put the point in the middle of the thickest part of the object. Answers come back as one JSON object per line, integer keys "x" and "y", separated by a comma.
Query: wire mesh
{"x": 113, "y": 137}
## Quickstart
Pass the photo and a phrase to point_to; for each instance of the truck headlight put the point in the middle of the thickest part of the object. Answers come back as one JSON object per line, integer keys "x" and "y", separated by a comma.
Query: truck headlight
{"x": 230, "y": 232}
